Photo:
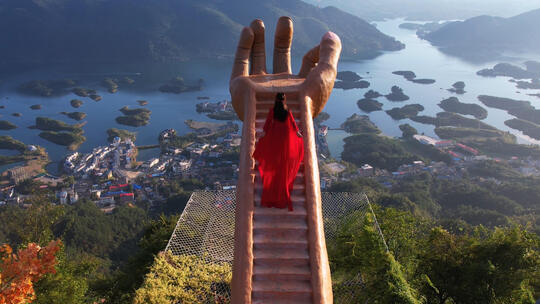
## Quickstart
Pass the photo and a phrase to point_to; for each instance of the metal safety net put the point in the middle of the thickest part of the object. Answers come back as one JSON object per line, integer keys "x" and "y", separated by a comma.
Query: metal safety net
{"x": 206, "y": 229}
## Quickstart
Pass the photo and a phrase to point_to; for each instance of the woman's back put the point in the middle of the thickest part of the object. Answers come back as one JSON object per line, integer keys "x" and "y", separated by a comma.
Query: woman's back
{"x": 279, "y": 154}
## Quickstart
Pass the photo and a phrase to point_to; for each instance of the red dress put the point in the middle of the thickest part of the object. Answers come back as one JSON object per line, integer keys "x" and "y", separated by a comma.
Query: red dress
{"x": 279, "y": 153}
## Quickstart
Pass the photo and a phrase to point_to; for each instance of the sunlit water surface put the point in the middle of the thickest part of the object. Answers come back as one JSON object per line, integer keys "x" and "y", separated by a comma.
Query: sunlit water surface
{"x": 170, "y": 110}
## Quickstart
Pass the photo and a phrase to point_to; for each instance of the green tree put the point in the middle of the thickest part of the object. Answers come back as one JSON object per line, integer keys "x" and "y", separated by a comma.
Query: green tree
{"x": 183, "y": 279}
{"x": 69, "y": 284}
{"x": 491, "y": 266}
{"x": 120, "y": 286}
{"x": 359, "y": 249}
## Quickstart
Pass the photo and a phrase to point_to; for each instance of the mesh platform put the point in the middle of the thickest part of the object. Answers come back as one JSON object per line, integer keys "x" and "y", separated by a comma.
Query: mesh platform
{"x": 206, "y": 229}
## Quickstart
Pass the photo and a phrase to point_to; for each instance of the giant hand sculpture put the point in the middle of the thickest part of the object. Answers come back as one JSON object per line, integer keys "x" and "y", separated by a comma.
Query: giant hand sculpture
{"x": 319, "y": 65}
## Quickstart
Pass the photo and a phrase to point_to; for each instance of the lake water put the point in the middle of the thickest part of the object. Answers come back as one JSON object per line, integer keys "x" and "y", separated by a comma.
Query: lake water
{"x": 170, "y": 110}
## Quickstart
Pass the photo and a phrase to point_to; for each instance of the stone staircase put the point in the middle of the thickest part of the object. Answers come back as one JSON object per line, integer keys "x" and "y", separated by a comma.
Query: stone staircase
{"x": 281, "y": 264}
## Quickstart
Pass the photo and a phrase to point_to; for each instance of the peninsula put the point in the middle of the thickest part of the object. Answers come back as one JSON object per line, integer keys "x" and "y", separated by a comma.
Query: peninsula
{"x": 519, "y": 108}
{"x": 532, "y": 70}
{"x": 452, "y": 120}
{"x": 527, "y": 127}
{"x": 360, "y": 124}
{"x": 120, "y": 133}
{"x": 70, "y": 139}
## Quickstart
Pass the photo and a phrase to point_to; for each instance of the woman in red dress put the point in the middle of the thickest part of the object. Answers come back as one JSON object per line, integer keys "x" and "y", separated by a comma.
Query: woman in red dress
{"x": 279, "y": 153}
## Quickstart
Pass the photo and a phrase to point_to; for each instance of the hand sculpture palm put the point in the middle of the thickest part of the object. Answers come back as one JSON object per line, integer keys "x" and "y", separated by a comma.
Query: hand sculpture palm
{"x": 319, "y": 65}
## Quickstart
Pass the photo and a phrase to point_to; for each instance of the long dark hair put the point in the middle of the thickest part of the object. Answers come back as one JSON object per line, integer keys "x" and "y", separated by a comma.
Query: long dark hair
{"x": 280, "y": 110}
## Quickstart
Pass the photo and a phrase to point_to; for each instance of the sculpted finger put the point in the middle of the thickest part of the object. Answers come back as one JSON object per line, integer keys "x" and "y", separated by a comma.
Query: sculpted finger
{"x": 243, "y": 51}
{"x": 320, "y": 80}
{"x": 258, "y": 53}
{"x": 310, "y": 60}
{"x": 282, "y": 45}
{"x": 330, "y": 50}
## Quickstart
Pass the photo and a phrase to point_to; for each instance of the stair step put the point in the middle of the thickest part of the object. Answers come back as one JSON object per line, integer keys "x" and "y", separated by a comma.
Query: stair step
{"x": 280, "y": 254}
{"x": 297, "y": 200}
{"x": 298, "y": 210}
{"x": 276, "y": 223}
{"x": 287, "y": 300}
{"x": 281, "y": 272}
{"x": 279, "y": 220}
{"x": 281, "y": 292}
{"x": 297, "y": 245}
{"x": 302, "y": 262}
{"x": 279, "y": 236}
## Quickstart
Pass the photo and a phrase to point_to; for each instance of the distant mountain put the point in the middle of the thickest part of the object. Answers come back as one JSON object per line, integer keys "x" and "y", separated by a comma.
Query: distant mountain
{"x": 429, "y": 10}
{"x": 102, "y": 31}
{"x": 488, "y": 36}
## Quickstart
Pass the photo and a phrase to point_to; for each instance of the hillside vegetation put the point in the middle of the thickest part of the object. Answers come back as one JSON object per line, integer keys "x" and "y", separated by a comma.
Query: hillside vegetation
{"x": 167, "y": 30}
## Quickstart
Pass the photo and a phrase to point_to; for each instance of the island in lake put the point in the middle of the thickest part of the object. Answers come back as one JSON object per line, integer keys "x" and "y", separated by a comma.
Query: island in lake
{"x": 372, "y": 94}
{"x": 142, "y": 102}
{"x": 134, "y": 117}
{"x": 6, "y": 125}
{"x": 453, "y": 104}
{"x": 458, "y": 88}
{"x": 177, "y": 85}
{"x": 95, "y": 97}
{"x": 47, "y": 88}
{"x": 369, "y": 105}
{"x": 48, "y": 124}
{"x": 76, "y": 103}
{"x": 110, "y": 84}
{"x": 407, "y": 111}
{"x": 120, "y": 133}
{"x": 397, "y": 94}
{"x": 411, "y": 76}
{"x": 350, "y": 80}
{"x": 81, "y": 92}
{"x": 360, "y": 124}
{"x": 35, "y": 107}
{"x": 75, "y": 115}
{"x": 16, "y": 114}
